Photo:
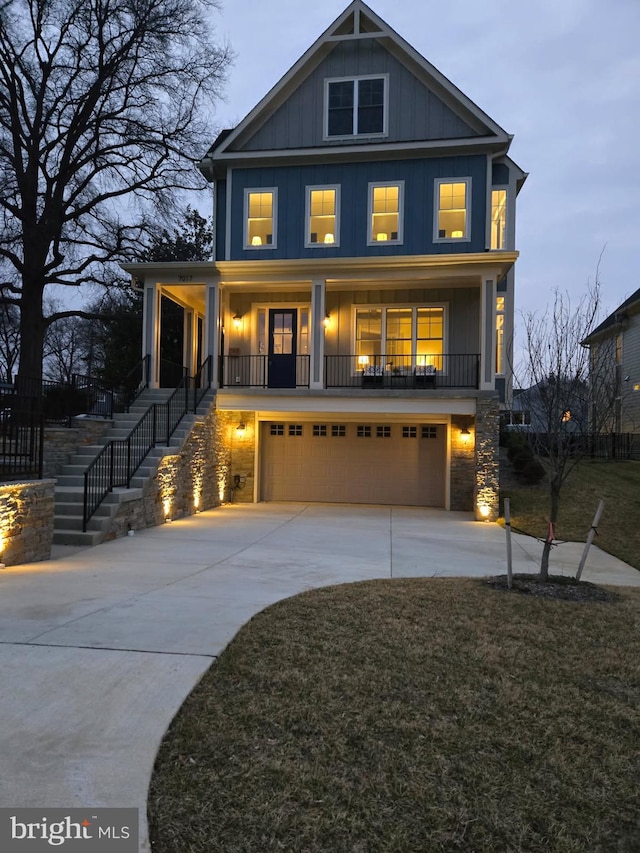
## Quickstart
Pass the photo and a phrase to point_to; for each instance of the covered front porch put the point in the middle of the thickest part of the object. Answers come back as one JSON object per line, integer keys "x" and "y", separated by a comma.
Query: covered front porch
{"x": 380, "y": 324}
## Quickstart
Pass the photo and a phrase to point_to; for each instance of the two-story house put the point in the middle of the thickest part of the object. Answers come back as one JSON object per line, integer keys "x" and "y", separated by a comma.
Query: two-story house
{"x": 615, "y": 366}
{"x": 359, "y": 307}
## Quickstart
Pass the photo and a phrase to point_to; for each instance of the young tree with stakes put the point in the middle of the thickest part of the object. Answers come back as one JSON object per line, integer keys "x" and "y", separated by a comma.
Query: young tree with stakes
{"x": 569, "y": 396}
{"x": 103, "y": 108}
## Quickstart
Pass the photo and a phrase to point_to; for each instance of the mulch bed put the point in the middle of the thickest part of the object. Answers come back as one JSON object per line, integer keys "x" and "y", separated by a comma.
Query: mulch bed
{"x": 556, "y": 586}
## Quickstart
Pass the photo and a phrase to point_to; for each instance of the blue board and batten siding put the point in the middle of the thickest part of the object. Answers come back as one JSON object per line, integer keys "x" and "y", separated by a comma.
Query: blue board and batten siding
{"x": 419, "y": 178}
{"x": 415, "y": 112}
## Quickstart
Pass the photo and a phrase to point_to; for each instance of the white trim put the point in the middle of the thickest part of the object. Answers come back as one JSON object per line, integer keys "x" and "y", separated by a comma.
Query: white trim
{"x": 356, "y": 97}
{"x": 227, "y": 236}
{"x": 274, "y": 219}
{"x": 497, "y": 188}
{"x": 400, "y": 238}
{"x": 307, "y": 217}
{"x": 466, "y": 238}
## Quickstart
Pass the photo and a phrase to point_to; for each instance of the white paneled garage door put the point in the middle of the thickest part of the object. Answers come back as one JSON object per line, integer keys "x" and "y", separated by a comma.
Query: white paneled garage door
{"x": 402, "y": 464}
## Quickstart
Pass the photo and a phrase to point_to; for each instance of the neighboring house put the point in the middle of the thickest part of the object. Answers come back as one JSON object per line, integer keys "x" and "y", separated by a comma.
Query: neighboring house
{"x": 615, "y": 365}
{"x": 359, "y": 307}
{"x": 550, "y": 407}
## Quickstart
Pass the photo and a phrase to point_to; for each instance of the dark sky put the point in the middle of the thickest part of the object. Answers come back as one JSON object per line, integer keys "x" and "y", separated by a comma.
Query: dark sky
{"x": 562, "y": 76}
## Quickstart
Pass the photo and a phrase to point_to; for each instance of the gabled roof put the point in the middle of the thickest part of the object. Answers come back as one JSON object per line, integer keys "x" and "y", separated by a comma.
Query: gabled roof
{"x": 359, "y": 22}
{"x": 613, "y": 321}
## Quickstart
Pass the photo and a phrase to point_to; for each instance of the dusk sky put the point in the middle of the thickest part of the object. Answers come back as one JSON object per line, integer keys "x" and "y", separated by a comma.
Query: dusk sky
{"x": 562, "y": 76}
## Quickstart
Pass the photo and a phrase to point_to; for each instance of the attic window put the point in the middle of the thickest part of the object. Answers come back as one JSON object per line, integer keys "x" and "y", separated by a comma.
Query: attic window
{"x": 356, "y": 106}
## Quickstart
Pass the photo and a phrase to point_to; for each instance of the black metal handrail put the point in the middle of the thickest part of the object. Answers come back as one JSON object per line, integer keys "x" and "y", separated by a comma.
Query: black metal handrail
{"x": 202, "y": 381}
{"x": 119, "y": 460}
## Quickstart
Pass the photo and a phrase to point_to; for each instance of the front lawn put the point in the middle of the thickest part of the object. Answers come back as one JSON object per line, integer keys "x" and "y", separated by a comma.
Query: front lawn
{"x": 411, "y": 716}
{"x": 618, "y": 483}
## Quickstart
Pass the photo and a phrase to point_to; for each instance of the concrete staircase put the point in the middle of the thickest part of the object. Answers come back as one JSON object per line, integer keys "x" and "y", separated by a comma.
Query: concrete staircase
{"x": 69, "y": 489}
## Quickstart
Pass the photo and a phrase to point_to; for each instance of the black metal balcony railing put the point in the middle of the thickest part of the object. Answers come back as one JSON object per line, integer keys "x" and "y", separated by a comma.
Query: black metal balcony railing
{"x": 256, "y": 371}
{"x": 403, "y": 371}
{"x": 459, "y": 370}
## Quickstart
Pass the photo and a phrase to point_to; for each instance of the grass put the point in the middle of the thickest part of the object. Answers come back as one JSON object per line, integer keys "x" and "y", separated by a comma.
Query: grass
{"x": 411, "y": 716}
{"x": 618, "y": 483}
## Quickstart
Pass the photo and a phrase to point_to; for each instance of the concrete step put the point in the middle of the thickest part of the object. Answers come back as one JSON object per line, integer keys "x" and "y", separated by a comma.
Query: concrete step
{"x": 74, "y": 522}
{"x": 77, "y": 537}
{"x": 71, "y": 508}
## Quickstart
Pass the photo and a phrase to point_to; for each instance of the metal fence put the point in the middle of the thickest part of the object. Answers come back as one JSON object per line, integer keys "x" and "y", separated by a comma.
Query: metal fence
{"x": 21, "y": 437}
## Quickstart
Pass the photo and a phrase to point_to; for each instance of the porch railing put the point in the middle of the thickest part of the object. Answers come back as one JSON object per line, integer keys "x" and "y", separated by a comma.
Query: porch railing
{"x": 403, "y": 371}
{"x": 253, "y": 371}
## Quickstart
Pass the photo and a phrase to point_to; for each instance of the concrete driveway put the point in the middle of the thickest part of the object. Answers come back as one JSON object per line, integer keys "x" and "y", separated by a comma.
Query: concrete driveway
{"x": 99, "y": 648}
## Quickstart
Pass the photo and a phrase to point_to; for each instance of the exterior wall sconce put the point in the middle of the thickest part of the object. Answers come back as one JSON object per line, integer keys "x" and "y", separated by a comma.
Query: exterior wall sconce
{"x": 241, "y": 429}
{"x": 327, "y": 320}
{"x": 465, "y": 435}
{"x": 237, "y": 321}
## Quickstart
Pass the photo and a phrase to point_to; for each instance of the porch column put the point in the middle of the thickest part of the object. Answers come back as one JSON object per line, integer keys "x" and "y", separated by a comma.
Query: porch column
{"x": 212, "y": 328}
{"x": 487, "y": 334}
{"x": 151, "y": 331}
{"x": 189, "y": 356}
{"x": 316, "y": 367}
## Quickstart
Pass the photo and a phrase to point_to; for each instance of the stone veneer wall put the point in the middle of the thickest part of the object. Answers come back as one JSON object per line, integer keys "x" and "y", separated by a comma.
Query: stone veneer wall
{"x": 60, "y": 443}
{"x": 463, "y": 464}
{"x": 26, "y": 521}
{"x": 194, "y": 478}
{"x": 487, "y": 479}
{"x": 239, "y": 454}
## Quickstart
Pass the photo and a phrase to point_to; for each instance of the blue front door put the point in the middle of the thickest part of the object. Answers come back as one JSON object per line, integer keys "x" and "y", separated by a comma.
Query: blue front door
{"x": 282, "y": 347}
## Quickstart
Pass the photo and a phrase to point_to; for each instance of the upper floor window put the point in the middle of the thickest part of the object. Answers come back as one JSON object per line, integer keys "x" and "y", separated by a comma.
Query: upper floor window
{"x": 452, "y": 209}
{"x": 260, "y": 217}
{"x": 323, "y": 225}
{"x": 498, "y": 218}
{"x": 385, "y": 213}
{"x": 356, "y": 106}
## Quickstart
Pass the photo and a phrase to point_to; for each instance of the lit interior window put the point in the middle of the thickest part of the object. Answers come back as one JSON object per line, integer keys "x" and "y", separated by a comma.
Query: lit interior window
{"x": 260, "y": 219}
{"x": 498, "y": 218}
{"x": 322, "y": 216}
{"x": 500, "y": 351}
{"x": 452, "y": 211}
{"x": 385, "y": 214}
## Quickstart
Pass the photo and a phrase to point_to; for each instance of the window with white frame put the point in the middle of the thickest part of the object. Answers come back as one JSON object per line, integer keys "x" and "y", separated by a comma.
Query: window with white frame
{"x": 323, "y": 225}
{"x": 498, "y": 218}
{"x": 356, "y": 106}
{"x": 452, "y": 209}
{"x": 386, "y": 208}
{"x": 399, "y": 339}
{"x": 260, "y": 217}
{"x": 500, "y": 350}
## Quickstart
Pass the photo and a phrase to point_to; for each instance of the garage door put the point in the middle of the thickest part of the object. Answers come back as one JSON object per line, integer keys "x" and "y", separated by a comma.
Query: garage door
{"x": 401, "y": 464}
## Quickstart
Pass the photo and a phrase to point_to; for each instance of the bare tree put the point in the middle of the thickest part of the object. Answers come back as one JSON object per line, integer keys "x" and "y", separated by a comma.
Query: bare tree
{"x": 568, "y": 397}
{"x": 9, "y": 341}
{"x": 101, "y": 116}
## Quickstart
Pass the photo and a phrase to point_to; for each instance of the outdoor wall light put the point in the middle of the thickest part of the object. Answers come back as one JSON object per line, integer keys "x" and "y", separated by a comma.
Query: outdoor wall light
{"x": 237, "y": 321}
{"x": 240, "y": 429}
{"x": 327, "y": 320}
